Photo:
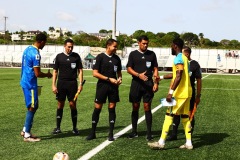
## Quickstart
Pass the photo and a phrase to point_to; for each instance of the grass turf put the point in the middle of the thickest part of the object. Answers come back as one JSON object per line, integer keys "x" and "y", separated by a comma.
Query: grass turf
{"x": 216, "y": 135}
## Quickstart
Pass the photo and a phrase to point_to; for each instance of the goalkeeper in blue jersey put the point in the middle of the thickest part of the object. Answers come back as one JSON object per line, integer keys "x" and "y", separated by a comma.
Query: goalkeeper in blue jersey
{"x": 30, "y": 72}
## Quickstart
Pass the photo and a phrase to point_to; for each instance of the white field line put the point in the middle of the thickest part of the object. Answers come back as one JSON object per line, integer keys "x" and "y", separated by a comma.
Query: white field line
{"x": 100, "y": 147}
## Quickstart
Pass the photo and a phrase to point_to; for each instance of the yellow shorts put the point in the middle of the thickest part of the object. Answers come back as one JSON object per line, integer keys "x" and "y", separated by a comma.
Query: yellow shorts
{"x": 182, "y": 107}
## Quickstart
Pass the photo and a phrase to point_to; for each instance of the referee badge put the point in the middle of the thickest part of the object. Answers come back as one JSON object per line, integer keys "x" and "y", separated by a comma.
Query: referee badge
{"x": 148, "y": 64}
{"x": 94, "y": 61}
{"x": 73, "y": 65}
{"x": 115, "y": 68}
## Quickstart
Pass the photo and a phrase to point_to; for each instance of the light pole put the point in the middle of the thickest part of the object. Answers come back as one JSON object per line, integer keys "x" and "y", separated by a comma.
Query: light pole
{"x": 5, "y": 27}
{"x": 114, "y": 19}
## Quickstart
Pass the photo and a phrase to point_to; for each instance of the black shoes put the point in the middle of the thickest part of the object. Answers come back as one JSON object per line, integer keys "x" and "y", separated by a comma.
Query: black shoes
{"x": 132, "y": 135}
{"x": 149, "y": 138}
{"x": 75, "y": 131}
{"x": 172, "y": 138}
{"x": 56, "y": 131}
{"x": 91, "y": 137}
{"x": 110, "y": 137}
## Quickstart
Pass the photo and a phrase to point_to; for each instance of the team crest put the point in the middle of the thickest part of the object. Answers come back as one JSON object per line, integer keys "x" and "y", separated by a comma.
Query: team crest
{"x": 73, "y": 65}
{"x": 148, "y": 64}
{"x": 115, "y": 68}
{"x": 37, "y": 57}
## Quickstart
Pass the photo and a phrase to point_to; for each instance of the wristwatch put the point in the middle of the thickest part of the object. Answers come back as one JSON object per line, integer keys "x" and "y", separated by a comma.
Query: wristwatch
{"x": 107, "y": 79}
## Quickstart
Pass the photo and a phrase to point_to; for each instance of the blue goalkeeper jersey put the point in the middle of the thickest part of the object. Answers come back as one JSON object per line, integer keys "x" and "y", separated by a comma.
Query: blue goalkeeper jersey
{"x": 30, "y": 59}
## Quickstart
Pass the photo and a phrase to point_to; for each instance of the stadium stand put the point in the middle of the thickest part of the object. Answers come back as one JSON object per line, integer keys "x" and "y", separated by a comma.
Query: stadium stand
{"x": 11, "y": 55}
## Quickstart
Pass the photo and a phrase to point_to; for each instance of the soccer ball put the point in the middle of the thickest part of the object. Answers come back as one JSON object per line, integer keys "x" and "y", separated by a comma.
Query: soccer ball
{"x": 61, "y": 156}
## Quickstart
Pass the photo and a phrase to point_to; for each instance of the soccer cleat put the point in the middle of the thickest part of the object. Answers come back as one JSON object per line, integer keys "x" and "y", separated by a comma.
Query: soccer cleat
{"x": 110, "y": 137}
{"x": 31, "y": 139}
{"x": 186, "y": 147}
{"x": 75, "y": 131}
{"x": 132, "y": 135}
{"x": 32, "y": 135}
{"x": 56, "y": 131}
{"x": 149, "y": 138}
{"x": 155, "y": 145}
{"x": 91, "y": 137}
{"x": 172, "y": 138}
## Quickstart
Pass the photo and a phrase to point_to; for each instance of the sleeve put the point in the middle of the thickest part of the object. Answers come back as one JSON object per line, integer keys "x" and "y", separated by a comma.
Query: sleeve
{"x": 178, "y": 60}
{"x": 198, "y": 71}
{"x": 130, "y": 60}
{"x": 56, "y": 63}
{"x": 80, "y": 66}
{"x": 119, "y": 64}
{"x": 97, "y": 64}
{"x": 36, "y": 58}
{"x": 155, "y": 63}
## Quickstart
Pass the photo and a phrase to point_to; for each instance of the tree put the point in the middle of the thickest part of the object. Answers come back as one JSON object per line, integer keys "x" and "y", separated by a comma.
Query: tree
{"x": 190, "y": 39}
{"x": 51, "y": 29}
{"x": 103, "y": 31}
{"x": 201, "y": 35}
{"x": 138, "y": 33}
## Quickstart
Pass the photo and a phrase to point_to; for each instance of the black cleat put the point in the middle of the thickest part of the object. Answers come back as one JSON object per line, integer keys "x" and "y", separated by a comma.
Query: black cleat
{"x": 110, "y": 137}
{"x": 91, "y": 137}
{"x": 132, "y": 135}
{"x": 75, "y": 131}
{"x": 56, "y": 131}
{"x": 172, "y": 138}
{"x": 149, "y": 138}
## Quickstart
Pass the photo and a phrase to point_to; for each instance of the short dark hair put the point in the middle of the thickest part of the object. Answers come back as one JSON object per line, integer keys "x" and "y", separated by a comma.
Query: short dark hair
{"x": 41, "y": 37}
{"x": 187, "y": 49}
{"x": 142, "y": 37}
{"x": 179, "y": 42}
{"x": 68, "y": 41}
{"x": 110, "y": 42}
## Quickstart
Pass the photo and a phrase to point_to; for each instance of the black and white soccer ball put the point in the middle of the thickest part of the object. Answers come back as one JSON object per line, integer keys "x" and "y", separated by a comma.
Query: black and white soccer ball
{"x": 61, "y": 156}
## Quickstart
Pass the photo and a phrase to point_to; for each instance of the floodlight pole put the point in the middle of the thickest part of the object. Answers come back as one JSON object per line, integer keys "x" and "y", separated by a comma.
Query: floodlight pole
{"x": 114, "y": 19}
{"x": 5, "y": 27}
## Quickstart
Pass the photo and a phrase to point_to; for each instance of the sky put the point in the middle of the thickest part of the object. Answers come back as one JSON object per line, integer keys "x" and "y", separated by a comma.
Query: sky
{"x": 216, "y": 19}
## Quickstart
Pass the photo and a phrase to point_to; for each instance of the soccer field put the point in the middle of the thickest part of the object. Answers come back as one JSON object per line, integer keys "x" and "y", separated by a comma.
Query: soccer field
{"x": 216, "y": 135}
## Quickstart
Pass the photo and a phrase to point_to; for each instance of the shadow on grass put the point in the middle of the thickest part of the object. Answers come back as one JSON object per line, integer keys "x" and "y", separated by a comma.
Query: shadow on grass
{"x": 208, "y": 139}
{"x": 82, "y": 133}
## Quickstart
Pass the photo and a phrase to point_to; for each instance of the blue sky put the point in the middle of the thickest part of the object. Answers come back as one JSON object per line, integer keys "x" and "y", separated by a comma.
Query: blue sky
{"x": 216, "y": 19}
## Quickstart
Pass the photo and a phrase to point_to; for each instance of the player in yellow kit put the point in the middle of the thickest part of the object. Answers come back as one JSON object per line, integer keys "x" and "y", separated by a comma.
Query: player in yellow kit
{"x": 181, "y": 90}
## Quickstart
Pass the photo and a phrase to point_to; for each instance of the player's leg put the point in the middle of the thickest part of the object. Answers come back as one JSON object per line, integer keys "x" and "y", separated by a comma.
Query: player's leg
{"x": 113, "y": 98}
{"x": 186, "y": 124}
{"x": 71, "y": 91}
{"x": 100, "y": 98}
{"x": 176, "y": 122}
{"x": 31, "y": 100}
{"x": 147, "y": 101}
{"x": 60, "y": 97}
{"x": 134, "y": 97}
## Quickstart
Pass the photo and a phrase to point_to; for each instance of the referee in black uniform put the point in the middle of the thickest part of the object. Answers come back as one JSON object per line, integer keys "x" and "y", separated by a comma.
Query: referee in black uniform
{"x": 67, "y": 68}
{"x": 196, "y": 74}
{"x": 107, "y": 68}
{"x": 142, "y": 65}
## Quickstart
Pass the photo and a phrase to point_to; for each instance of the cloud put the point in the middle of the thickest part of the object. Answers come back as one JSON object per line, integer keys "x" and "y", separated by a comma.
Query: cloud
{"x": 65, "y": 16}
{"x": 218, "y": 5}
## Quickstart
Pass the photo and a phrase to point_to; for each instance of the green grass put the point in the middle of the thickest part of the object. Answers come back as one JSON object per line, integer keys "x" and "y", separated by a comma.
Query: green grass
{"x": 216, "y": 135}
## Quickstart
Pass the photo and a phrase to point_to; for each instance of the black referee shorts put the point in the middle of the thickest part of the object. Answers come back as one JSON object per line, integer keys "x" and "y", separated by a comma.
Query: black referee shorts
{"x": 66, "y": 89}
{"x": 106, "y": 90}
{"x": 141, "y": 89}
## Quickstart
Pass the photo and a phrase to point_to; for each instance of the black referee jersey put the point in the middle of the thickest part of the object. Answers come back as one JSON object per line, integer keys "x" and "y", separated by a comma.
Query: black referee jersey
{"x": 141, "y": 62}
{"x": 107, "y": 65}
{"x": 67, "y": 66}
{"x": 196, "y": 72}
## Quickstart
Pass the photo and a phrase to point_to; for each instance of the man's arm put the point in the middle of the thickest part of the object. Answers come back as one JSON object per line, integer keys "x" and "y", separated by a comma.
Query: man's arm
{"x": 199, "y": 89}
{"x": 141, "y": 76}
{"x": 102, "y": 77}
{"x": 80, "y": 78}
{"x": 39, "y": 74}
{"x": 54, "y": 79}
